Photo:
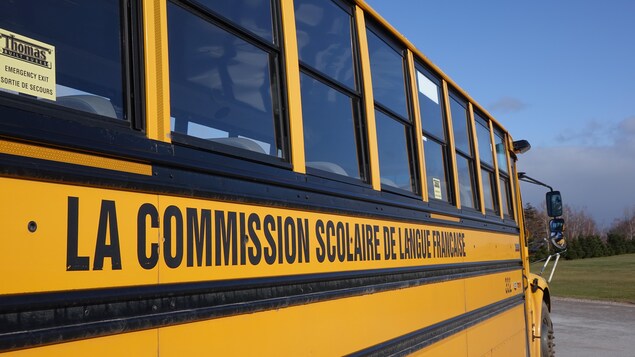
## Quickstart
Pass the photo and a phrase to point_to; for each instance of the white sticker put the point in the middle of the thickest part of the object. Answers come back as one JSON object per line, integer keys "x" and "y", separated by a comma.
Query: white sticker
{"x": 436, "y": 184}
{"x": 428, "y": 88}
{"x": 26, "y": 65}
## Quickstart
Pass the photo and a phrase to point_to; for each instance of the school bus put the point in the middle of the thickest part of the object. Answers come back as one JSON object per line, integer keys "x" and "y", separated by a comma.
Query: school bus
{"x": 251, "y": 177}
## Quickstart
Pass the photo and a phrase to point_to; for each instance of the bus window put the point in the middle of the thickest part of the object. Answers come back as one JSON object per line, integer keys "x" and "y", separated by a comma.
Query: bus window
{"x": 222, "y": 84}
{"x": 394, "y": 126}
{"x": 387, "y": 72}
{"x": 324, "y": 39}
{"x": 503, "y": 171}
{"x": 464, "y": 153}
{"x": 330, "y": 94}
{"x": 393, "y": 143}
{"x": 82, "y": 64}
{"x": 254, "y": 16}
{"x": 329, "y": 128}
{"x": 435, "y": 148}
{"x": 487, "y": 163}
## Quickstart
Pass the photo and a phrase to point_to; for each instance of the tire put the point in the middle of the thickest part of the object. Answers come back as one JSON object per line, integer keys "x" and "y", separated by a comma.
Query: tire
{"x": 547, "y": 345}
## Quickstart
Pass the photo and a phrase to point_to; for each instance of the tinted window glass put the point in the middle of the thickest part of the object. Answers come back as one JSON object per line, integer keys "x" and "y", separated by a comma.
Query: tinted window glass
{"x": 435, "y": 170}
{"x": 253, "y": 15}
{"x": 484, "y": 142}
{"x": 466, "y": 183}
{"x": 387, "y": 75}
{"x": 220, "y": 85}
{"x": 501, "y": 153}
{"x": 459, "y": 123}
{"x": 394, "y": 163}
{"x": 329, "y": 130}
{"x": 430, "y": 100}
{"x": 88, "y": 49}
{"x": 489, "y": 190}
{"x": 324, "y": 39}
{"x": 506, "y": 202}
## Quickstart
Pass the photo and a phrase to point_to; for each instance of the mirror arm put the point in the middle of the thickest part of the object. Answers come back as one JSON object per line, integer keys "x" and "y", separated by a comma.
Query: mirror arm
{"x": 523, "y": 177}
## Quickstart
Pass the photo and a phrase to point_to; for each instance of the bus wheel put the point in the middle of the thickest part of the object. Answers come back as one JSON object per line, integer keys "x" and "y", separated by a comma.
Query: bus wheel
{"x": 547, "y": 345}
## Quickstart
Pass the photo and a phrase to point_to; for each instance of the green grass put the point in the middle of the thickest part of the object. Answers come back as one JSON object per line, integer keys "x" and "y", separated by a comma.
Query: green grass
{"x": 607, "y": 278}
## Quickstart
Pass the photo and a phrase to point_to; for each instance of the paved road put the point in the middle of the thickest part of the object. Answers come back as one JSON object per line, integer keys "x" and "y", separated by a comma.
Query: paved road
{"x": 587, "y": 328}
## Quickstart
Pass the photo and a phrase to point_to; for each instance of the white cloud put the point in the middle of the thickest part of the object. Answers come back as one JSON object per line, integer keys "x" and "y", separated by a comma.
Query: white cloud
{"x": 506, "y": 105}
{"x": 600, "y": 179}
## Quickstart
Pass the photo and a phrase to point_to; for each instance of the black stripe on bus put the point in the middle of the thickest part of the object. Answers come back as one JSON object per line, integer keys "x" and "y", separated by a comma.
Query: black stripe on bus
{"x": 427, "y": 336}
{"x": 29, "y": 320}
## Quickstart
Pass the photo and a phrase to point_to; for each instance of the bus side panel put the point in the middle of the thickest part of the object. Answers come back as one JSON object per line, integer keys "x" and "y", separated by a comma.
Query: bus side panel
{"x": 61, "y": 237}
{"x": 502, "y": 335}
{"x": 455, "y": 345}
{"x": 138, "y": 344}
{"x": 334, "y": 327}
{"x": 484, "y": 290}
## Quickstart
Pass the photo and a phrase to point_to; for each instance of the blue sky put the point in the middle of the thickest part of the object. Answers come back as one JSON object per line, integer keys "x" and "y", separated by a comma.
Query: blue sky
{"x": 560, "y": 74}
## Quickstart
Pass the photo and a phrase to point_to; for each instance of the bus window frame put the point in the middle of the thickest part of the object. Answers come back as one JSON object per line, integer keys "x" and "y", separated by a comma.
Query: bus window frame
{"x": 409, "y": 122}
{"x": 503, "y": 176}
{"x": 469, "y": 157}
{"x": 484, "y": 122}
{"x": 356, "y": 95}
{"x": 443, "y": 142}
{"x": 279, "y": 98}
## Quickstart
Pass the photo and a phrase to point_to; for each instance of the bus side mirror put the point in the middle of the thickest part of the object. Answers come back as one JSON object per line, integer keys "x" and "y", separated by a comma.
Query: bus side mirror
{"x": 556, "y": 233}
{"x": 554, "y": 204}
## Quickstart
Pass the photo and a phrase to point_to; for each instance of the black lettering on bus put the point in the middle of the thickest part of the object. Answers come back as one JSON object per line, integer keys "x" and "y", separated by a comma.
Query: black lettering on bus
{"x": 359, "y": 252}
{"x": 280, "y": 242}
{"x": 342, "y": 240}
{"x": 320, "y": 251}
{"x": 226, "y": 237}
{"x": 242, "y": 238}
{"x": 290, "y": 245}
{"x": 172, "y": 214}
{"x": 303, "y": 241}
{"x": 368, "y": 240}
{"x": 270, "y": 251}
{"x": 145, "y": 261}
{"x": 107, "y": 224}
{"x": 331, "y": 250}
{"x": 73, "y": 261}
{"x": 401, "y": 254}
{"x": 376, "y": 239}
{"x": 255, "y": 252}
{"x": 199, "y": 236}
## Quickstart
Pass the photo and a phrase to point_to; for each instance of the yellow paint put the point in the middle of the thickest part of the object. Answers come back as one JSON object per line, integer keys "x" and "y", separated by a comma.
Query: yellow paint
{"x": 414, "y": 93}
{"x": 448, "y": 120}
{"x": 292, "y": 70}
{"x": 138, "y": 344}
{"x": 484, "y": 290}
{"x": 502, "y": 335}
{"x": 32, "y": 262}
{"x": 499, "y": 191}
{"x": 157, "y": 75}
{"x": 75, "y": 158}
{"x": 48, "y": 245}
{"x": 329, "y": 328}
{"x": 445, "y": 218}
{"x": 368, "y": 99}
{"x": 477, "y": 158}
{"x": 454, "y": 345}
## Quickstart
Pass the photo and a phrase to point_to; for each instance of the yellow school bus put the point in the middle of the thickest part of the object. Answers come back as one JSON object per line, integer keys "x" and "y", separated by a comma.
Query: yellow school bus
{"x": 251, "y": 177}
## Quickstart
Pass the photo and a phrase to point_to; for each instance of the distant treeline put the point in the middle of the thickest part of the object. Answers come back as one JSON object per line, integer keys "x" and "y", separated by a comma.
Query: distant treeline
{"x": 584, "y": 239}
